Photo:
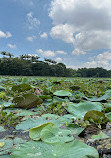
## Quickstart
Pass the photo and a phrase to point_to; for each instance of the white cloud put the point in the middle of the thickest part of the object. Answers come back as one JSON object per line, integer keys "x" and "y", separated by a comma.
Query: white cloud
{"x": 61, "y": 52}
{"x": 101, "y": 60}
{"x": 78, "y": 52}
{"x": 63, "y": 32}
{"x": 44, "y": 35}
{"x": 59, "y": 60}
{"x": 47, "y": 53}
{"x": 5, "y": 35}
{"x": 32, "y": 21}
{"x": 12, "y": 46}
{"x": 84, "y": 23}
{"x": 31, "y": 38}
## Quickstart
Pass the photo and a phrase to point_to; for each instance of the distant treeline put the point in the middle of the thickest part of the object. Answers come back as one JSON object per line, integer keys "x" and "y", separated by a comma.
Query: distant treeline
{"x": 30, "y": 65}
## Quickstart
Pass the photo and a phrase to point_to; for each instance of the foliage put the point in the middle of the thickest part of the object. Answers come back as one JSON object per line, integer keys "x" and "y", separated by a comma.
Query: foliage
{"x": 8, "y": 120}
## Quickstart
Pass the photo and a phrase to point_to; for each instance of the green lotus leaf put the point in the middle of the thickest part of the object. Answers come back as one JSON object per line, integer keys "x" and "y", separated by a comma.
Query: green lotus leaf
{"x": 101, "y": 135}
{"x": 108, "y": 115}
{"x": 62, "y": 93}
{"x": 80, "y": 109}
{"x": 75, "y": 129}
{"x": 74, "y": 149}
{"x": 52, "y": 134}
{"x": 34, "y": 133}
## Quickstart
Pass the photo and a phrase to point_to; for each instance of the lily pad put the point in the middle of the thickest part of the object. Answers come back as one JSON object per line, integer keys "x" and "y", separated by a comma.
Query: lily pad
{"x": 74, "y": 149}
{"x": 62, "y": 93}
{"x": 27, "y": 101}
{"x": 95, "y": 117}
{"x": 21, "y": 88}
{"x": 52, "y": 134}
{"x": 80, "y": 109}
{"x": 34, "y": 133}
{"x": 101, "y": 135}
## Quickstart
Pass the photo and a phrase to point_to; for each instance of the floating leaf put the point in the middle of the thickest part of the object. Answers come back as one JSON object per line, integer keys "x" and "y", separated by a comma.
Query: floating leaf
{"x": 75, "y": 129}
{"x": 27, "y": 101}
{"x": 62, "y": 93}
{"x": 101, "y": 135}
{"x": 52, "y": 134}
{"x": 21, "y": 88}
{"x": 74, "y": 149}
{"x": 95, "y": 117}
{"x": 34, "y": 133}
{"x": 80, "y": 109}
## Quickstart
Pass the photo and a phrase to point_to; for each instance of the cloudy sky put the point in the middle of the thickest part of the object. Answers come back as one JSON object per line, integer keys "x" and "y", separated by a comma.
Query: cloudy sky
{"x": 75, "y": 32}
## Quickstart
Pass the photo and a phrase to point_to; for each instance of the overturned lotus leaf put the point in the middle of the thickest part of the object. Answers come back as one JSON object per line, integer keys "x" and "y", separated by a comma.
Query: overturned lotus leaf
{"x": 62, "y": 93}
{"x": 95, "y": 117}
{"x": 34, "y": 133}
{"x": 21, "y": 88}
{"x": 27, "y": 101}
{"x": 75, "y": 87}
{"x": 80, "y": 109}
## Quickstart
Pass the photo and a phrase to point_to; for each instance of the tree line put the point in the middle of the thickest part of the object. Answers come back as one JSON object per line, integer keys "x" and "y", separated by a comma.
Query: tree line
{"x": 30, "y": 65}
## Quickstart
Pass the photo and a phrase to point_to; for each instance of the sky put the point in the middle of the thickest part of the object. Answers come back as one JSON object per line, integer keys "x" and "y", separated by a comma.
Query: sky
{"x": 75, "y": 32}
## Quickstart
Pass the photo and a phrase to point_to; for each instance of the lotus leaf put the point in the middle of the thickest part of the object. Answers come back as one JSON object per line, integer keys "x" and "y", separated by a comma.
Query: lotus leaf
{"x": 21, "y": 88}
{"x": 95, "y": 117}
{"x": 74, "y": 149}
{"x": 62, "y": 93}
{"x": 80, "y": 109}
{"x": 101, "y": 135}
{"x": 108, "y": 115}
{"x": 34, "y": 133}
{"x": 75, "y": 129}
{"x": 52, "y": 134}
{"x": 27, "y": 101}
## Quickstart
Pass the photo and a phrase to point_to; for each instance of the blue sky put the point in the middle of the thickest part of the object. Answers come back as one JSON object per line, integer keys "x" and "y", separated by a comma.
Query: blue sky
{"x": 75, "y": 32}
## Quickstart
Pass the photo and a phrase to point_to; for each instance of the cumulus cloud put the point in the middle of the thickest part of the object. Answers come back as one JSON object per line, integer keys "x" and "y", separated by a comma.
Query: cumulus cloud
{"x": 43, "y": 35}
{"x": 101, "y": 60}
{"x": 78, "y": 52}
{"x": 47, "y": 53}
{"x": 63, "y": 32}
{"x": 12, "y": 46}
{"x": 61, "y": 52}
{"x": 5, "y": 35}
{"x": 84, "y": 23}
{"x": 31, "y": 38}
{"x": 59, "y": 60}
{"x": 32, "y": 21}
